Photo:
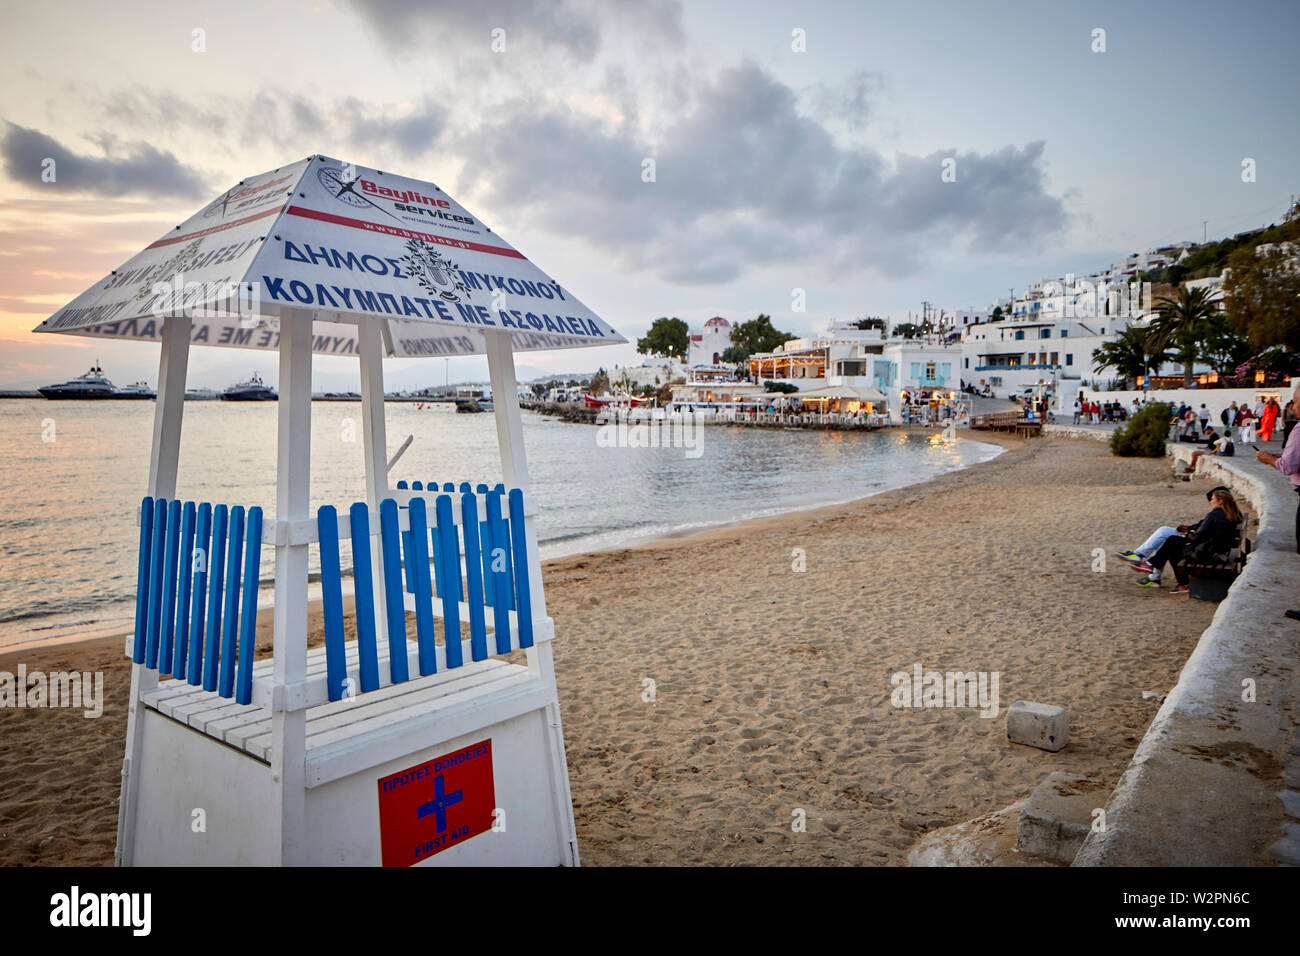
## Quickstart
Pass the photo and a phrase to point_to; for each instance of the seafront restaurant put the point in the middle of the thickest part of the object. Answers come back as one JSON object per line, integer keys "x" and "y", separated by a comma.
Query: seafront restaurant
{"x": 406, "y": 738}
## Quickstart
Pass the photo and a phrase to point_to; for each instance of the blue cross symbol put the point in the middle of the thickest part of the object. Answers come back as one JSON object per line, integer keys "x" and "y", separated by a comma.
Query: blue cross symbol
{"x": 438, "y": 806}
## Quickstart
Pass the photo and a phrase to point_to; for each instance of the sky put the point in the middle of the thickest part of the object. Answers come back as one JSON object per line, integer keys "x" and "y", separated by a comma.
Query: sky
{"x": 796, "y": 147}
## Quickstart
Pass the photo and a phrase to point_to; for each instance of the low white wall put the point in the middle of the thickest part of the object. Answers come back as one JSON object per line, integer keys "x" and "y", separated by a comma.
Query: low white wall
{"x": 1215, "y": 399}
{"x": 1202, "y": 787}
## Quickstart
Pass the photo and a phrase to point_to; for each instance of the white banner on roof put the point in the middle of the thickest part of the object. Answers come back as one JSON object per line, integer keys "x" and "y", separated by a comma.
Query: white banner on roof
{"x": 350, "y": 243}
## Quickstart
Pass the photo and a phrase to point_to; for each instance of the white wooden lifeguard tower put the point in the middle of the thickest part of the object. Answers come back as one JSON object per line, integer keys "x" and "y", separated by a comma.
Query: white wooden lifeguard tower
{"x": 387, "y": 745}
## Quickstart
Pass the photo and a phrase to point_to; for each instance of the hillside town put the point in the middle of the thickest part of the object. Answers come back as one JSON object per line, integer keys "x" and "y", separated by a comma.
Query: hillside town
{"x": 1156, "y": 319}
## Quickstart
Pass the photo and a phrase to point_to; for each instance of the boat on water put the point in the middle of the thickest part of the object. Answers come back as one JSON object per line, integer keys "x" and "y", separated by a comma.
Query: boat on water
{"x": 254, "y": 390}
{"x": 136, "y": 390}
{"x": 198, "y": 393}
{"x": 94, "y": 385}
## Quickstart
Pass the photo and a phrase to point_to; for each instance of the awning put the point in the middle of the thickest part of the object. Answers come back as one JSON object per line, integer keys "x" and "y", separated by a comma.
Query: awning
{"x": 860, "y": 393}
{"x": 349, "y": 243}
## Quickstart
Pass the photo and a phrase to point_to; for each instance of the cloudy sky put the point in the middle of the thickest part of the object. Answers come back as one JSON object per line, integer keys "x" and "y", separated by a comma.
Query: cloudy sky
{"x": 794, "y": 145}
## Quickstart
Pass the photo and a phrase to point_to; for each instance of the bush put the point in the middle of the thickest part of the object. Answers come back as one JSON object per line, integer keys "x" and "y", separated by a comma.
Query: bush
{"x": 1145, "y": 434}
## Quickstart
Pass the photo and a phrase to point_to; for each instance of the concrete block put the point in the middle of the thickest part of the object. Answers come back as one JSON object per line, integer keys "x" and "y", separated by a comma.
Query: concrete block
{"x": 1056, "y": 818}
{"x": 1287, "y": 850}
{"x": 1290, "y": 803}
{"x": 1044, "y": 726}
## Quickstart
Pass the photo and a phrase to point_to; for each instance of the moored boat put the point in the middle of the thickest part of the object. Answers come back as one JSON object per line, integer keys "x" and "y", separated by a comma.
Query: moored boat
{"x": 94, "y": 385}
{"x": 254, "y": 390}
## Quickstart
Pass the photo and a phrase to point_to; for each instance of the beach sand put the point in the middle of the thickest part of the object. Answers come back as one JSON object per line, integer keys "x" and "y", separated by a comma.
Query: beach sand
{"x": 771, "y": 686}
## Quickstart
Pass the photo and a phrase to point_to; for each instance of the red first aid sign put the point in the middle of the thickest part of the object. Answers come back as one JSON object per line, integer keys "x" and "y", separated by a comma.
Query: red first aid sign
{"x": 427, "y": 808}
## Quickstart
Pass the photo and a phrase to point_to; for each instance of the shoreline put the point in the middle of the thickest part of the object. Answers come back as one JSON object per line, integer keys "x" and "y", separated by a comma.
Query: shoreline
{"x": 122, "y": 626}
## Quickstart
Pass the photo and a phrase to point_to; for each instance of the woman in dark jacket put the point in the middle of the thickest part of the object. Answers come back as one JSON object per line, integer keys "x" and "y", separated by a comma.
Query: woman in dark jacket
{"x": 1215, "y": 535}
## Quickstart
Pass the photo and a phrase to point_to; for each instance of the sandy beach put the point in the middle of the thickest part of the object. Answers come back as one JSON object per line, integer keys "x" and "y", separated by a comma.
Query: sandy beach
{"x": 772, "y": 686}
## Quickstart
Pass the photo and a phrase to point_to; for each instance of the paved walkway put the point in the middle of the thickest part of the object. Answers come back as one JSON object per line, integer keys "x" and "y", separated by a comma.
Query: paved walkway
{"x": 1216, "y": 778}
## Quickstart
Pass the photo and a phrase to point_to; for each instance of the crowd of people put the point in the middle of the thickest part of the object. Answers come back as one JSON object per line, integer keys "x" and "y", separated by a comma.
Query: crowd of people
{"x": 1090, "y": 411}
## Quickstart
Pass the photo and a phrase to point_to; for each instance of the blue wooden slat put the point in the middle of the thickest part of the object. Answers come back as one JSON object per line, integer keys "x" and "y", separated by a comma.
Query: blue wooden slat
{"x": 523, "y": 596}
{"x": 401, "y": 486}
{"x": 367, "y": 647}
{"x": 501, "y": 554}
{"x": 216, "y": 591}
{"x": 165, "y": 649}
{"x": 425, "y": 636}
{"x": 331, "y": 580}
{"x": 446, "y": 532}
{"x": 157, "y": 559}
{"x": 473, "y": 577}
{"x": 143, "y": 578}
{"x": 184, "y": 580}
{"x": 248, "y": 613}
{"x": 417, "y": 486}
{"x": 437, "y": 561}
{"x": 449, "y": 486}
{"x": 464, "y": 488}
{"x": 485, "y": 546}
{"x": 199, "y": 591}
{"x": 230, "y": 623}
{"x": 499, "y": 572}
{"x": 390, "y": 550}
{"x": 406, "y": 554}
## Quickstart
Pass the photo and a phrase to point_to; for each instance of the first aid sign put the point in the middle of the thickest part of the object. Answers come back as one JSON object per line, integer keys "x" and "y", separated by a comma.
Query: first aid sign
{"x": 427, "y": 808}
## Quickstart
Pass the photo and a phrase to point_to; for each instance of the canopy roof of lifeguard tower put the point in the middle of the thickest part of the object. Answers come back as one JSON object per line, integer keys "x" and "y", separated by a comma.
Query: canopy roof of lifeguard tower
{"x": 349, "y": 243}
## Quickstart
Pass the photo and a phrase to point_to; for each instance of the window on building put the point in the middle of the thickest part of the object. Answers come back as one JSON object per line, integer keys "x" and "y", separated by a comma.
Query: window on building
{"x": 1065, "y": 333}
{"x": 1020, "y": 333}
{"x": 1069, "y": 358}
{"x": 967, "y": 363}
{"x": 1044, "y": 333}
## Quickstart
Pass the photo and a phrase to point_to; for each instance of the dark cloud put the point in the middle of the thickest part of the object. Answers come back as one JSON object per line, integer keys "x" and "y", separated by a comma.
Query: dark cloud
{"x": 577, "y": 28}
{"x": 124, "y": 169}
{"x": 744, "y": 179}
{"x": 410, "y": 135}
{"x": 408, "y": 24}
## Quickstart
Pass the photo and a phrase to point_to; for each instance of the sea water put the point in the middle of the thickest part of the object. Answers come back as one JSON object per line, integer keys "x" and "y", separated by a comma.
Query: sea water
{"x": 74, "y": 473}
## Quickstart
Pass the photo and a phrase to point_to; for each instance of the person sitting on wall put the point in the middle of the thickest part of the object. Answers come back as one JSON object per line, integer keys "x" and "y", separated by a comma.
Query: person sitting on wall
{"x": 1139, "y": 558}
{"x": 1210, "y": 540}
{"x": 1219, "y": 445}
{"x": 1288, "y": 463}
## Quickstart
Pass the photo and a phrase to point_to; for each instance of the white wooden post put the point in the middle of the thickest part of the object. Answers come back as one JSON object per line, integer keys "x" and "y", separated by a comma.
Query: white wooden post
{"x": 293, "y": 503}
{"x": 514, "y": 468}
{"x": 163, "y": 457}
{"x": 370, "y": 347}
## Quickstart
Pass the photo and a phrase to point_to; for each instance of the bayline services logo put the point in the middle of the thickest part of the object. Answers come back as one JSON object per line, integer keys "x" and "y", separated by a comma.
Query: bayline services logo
{"x": 685, "y": 431}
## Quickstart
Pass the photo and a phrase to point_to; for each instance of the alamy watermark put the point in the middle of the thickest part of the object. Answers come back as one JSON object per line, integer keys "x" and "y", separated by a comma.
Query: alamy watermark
{"x": 923, "y": 688}
{"x": 620, "y": 429}
{"x": 55, "y": 689}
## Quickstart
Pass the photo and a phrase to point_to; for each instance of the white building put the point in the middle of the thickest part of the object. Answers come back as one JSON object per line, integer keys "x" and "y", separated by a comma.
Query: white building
{"x": 709, "y": 343}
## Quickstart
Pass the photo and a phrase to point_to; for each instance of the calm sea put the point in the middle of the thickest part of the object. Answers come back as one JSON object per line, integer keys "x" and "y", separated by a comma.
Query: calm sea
{"x": 74, "y": 473}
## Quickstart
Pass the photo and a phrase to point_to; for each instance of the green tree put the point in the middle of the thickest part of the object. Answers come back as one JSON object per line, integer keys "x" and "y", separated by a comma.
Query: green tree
{"x": 870, "y": 323}
{"x": 1183, "y": 323}
{"x": 667, "y": 338}
{"x": 1262, "y": 296}
{"x": 599, "y": 384}
{"x": 997, "y": 314}
{"x": 1134, "y": 352}
{"x": 757, "y": 335}
{"x": 908, "y": 330}
{"x": 1145, "y": 433}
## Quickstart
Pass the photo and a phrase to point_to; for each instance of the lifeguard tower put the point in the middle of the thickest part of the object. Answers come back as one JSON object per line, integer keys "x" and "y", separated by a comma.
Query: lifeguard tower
{"x": 405, "y": 738}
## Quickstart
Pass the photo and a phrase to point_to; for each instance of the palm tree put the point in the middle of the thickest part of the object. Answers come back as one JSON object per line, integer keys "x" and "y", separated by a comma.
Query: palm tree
{"x": 1133, "y": 352}
{"x": 1184, "y": 323}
